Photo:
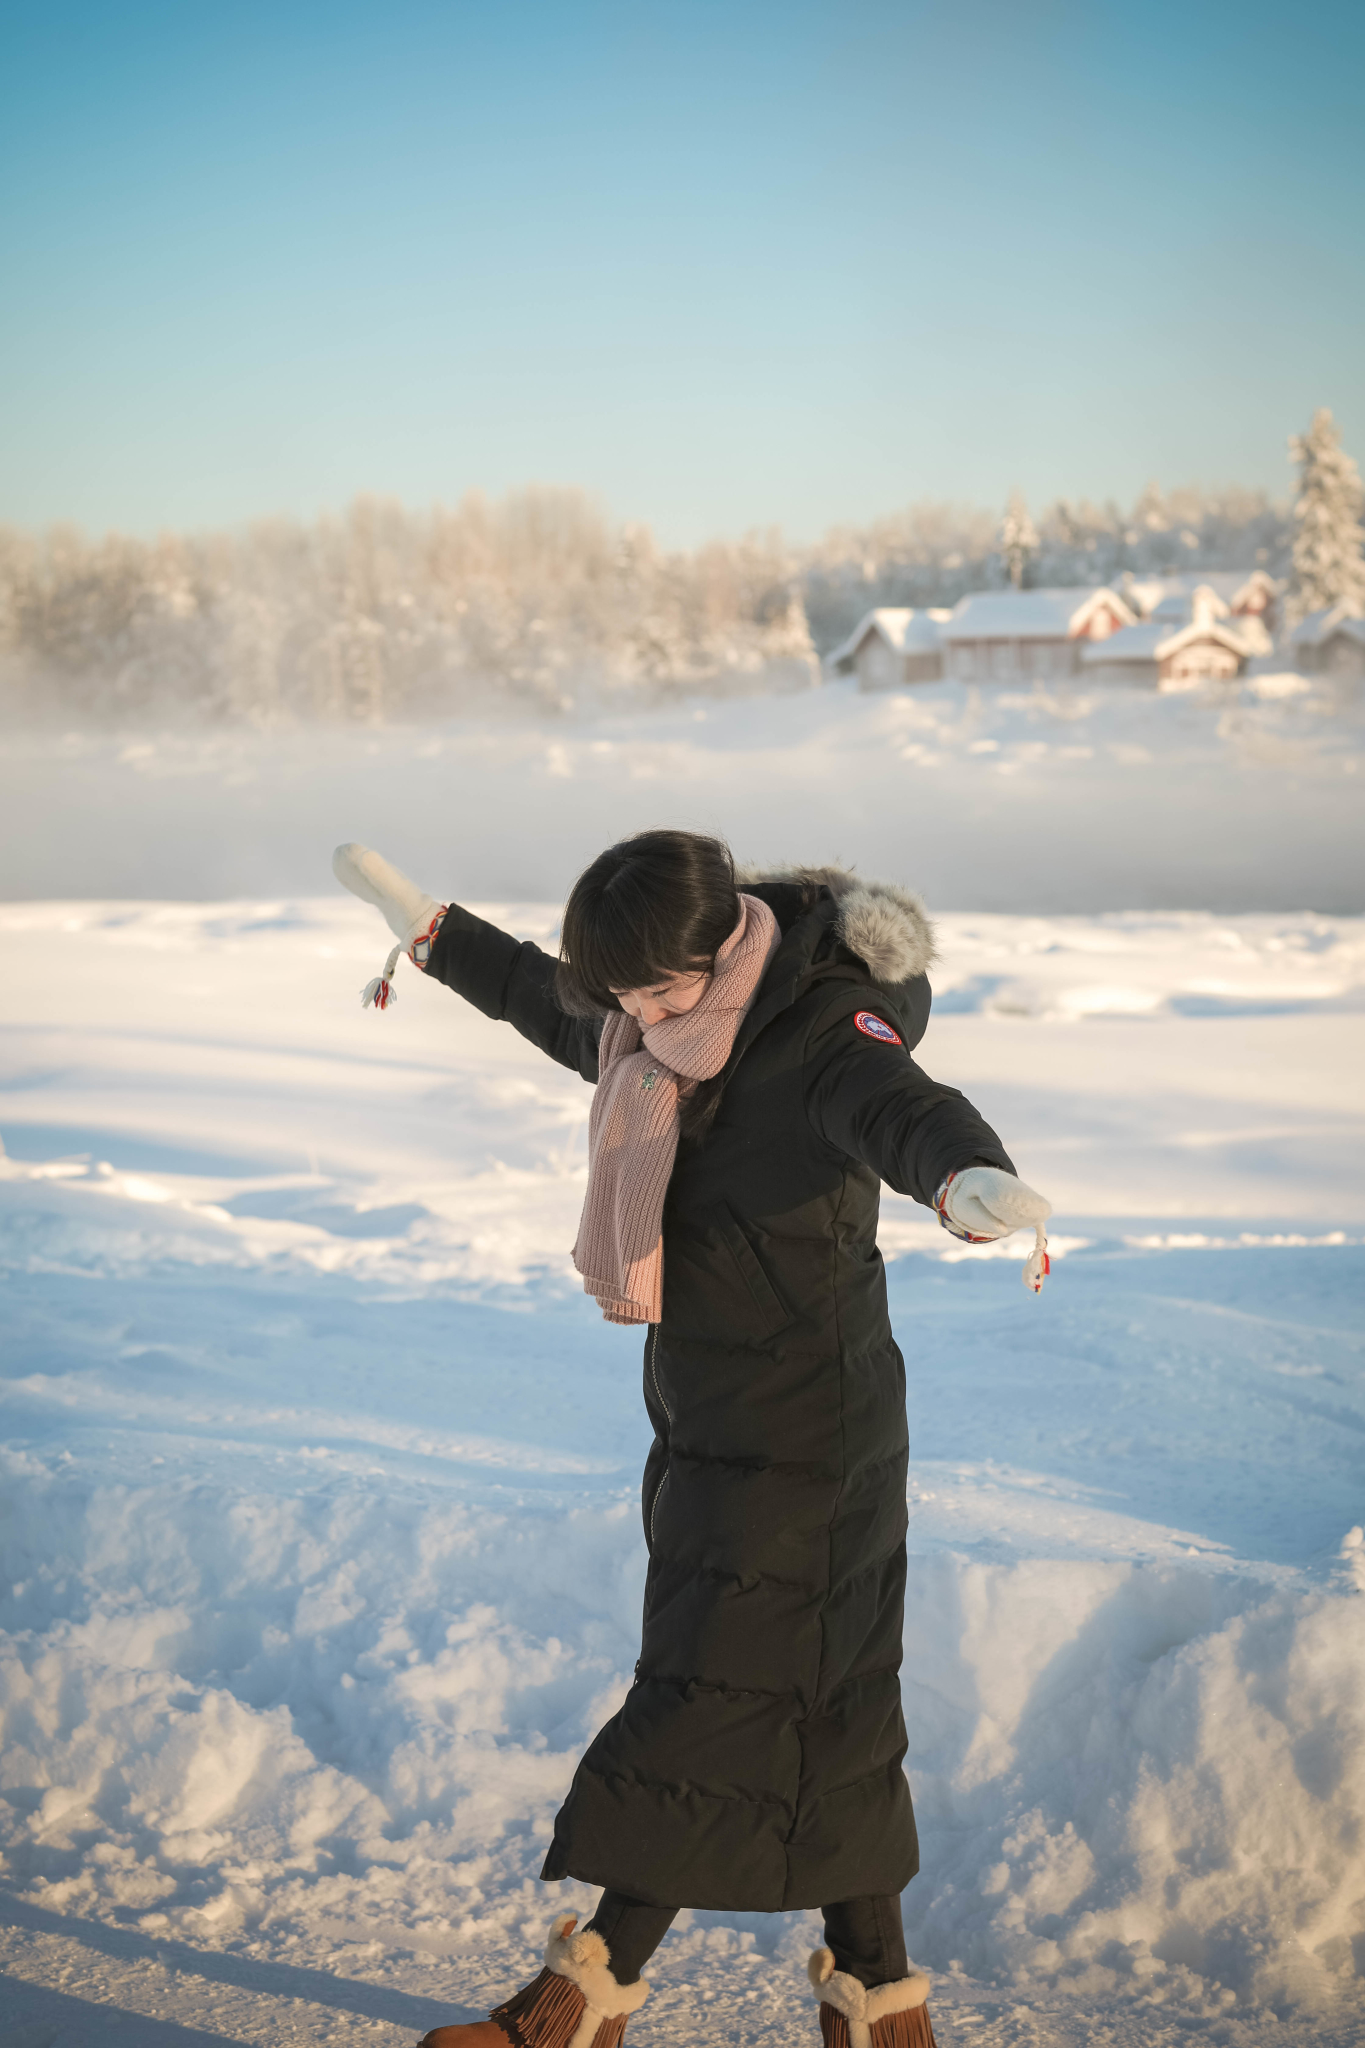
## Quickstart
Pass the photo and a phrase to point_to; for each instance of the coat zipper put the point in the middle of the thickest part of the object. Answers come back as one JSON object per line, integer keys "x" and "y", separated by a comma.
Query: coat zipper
{"x": 654, "y": 1375}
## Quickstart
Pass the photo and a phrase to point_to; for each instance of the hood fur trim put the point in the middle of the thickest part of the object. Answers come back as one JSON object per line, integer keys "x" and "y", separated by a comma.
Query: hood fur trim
{"x": 886, "y": 926}
{"x": 586, "y": 1961}
{"x": 862, "y": 2008}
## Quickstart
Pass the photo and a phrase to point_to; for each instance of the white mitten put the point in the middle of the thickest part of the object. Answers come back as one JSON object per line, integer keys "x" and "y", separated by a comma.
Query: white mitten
{"x": 984, "y": 1202}
{"x": 991, "y": 1203}
{"x": 410, "y": 914}
{"x": 407, "y": 910}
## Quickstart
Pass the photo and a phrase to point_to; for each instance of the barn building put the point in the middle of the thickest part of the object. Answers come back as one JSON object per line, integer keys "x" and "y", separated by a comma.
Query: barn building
{"x": 1010, "y": 636}
{"x": 891, "y": 646}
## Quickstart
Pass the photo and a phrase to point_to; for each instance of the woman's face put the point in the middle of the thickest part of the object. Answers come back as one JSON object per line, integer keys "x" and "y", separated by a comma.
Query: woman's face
{"x": 672, "y": 996}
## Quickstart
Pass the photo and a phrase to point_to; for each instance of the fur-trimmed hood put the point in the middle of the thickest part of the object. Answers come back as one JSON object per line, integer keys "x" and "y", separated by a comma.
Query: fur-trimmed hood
{"x": 887, "y": 927}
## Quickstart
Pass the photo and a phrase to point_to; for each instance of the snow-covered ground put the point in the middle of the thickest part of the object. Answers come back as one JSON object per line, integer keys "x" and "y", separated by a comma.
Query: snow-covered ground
{"x": 322, "y": 1545}
{"x": 1078, "y": 799}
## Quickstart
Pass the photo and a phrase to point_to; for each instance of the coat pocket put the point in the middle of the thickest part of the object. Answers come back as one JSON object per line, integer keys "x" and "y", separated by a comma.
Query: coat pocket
{"x": 770, "y": 1310}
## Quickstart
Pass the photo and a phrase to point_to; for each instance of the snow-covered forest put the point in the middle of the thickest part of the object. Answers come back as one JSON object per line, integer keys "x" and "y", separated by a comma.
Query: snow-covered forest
{"x": 537, "y": 601}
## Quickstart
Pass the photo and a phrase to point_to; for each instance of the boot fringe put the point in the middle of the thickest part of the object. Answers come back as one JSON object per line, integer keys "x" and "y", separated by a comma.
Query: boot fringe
{"x": 575, "y": 2002}
{"x": 551, "y": 2012}
{"x": 544, "y": 2014}
{"x": 912, "y": 2029}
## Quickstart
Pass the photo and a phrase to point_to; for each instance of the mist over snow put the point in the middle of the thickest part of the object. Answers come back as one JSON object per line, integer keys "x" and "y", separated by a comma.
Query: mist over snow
{"x": 1244, "y": 798}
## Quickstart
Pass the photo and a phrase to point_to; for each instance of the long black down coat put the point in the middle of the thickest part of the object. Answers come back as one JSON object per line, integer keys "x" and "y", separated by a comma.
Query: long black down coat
{"x": 756, "y": 1762}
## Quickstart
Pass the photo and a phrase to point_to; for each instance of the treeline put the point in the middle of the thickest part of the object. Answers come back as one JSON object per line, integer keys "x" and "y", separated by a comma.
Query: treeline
{"x": 537, "y": 601}
{"x": 384, "y": 613}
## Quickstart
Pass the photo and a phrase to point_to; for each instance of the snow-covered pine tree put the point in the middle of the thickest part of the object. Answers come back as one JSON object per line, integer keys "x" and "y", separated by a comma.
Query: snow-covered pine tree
{"x": 1018, "y": 540}
{"x": 1327, "y": 564}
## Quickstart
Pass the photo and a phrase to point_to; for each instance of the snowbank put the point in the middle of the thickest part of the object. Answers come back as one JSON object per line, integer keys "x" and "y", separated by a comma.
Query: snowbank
{"x": 340, "y": 1713}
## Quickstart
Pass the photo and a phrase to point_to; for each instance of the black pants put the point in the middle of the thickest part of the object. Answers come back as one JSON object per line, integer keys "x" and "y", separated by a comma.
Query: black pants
{"x": 865, "y": 1935}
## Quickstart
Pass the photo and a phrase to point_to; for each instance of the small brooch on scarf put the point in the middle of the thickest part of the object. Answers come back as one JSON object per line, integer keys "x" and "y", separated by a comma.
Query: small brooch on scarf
{"x": 648, "y": 1080}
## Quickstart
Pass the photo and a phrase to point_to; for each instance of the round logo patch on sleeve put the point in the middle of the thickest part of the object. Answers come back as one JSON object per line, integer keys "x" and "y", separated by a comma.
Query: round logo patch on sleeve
{"x": 874, "y": 1027}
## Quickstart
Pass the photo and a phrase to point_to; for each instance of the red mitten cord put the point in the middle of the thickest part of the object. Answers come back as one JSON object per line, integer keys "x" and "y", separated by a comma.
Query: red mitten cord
{"x": 380, "y": 994}
{"x": 955, "y": 1229}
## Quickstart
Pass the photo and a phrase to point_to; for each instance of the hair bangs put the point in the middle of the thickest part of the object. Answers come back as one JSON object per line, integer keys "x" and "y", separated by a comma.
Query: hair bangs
{"x": 602, "y": 958}
{"x": 660, "y": 904}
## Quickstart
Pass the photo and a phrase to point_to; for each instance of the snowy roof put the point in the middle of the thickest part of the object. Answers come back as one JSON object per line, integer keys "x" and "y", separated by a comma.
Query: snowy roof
{"x": 1258, "y": 579}
{"x": 1202, "y": 627}
{"x": 1028, "y": 614}
{"x": 1177, "y": 606}
{"x": 1144, "y": 593}
{"x": 903, "y": 628}
{"x": 1202, "y": 606}
{"x": 1130, "y": 643}
{"x": 1315, "y": 627}
{"x": 1233, "y": 586}
{"x": 1154, "y": 639}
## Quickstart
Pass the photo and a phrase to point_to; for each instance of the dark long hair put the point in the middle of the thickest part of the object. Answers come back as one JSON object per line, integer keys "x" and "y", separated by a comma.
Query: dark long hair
{"x": 657, "y": 904}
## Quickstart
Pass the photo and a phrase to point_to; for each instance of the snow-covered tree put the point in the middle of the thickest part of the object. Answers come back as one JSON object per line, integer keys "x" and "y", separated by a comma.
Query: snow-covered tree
{"x": 1150, "y": 513}
{"x": 1327, "y": 565}
{"x": 1018, "y": 540}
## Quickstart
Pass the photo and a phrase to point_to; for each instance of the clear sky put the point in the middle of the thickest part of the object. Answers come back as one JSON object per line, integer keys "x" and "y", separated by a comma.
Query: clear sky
{"x": 766, "y": 261}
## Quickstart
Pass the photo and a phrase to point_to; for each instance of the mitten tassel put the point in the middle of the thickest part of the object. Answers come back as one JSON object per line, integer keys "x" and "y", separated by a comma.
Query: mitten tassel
{"x": 381, "y": 991}
{"x": 1038, "y": 1265}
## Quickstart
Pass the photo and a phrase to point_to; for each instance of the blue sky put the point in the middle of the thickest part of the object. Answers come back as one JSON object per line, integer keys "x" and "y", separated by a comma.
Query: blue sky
{"x": 723, "y": 265}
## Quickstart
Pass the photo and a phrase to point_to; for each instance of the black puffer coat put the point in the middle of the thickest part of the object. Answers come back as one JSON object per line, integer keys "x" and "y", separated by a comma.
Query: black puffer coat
{"x": 756, "y": 1762}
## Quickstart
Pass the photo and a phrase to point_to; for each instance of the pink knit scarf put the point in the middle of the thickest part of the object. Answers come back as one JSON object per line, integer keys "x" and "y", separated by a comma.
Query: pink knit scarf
{"x": 633, "y": 1128}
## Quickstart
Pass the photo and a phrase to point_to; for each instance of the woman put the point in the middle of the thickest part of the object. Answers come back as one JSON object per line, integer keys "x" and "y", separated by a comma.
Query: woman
{"x": 751, "y": 1050}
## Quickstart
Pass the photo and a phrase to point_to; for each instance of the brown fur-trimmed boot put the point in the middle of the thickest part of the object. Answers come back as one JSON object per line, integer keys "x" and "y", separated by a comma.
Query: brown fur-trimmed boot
{"x": 575, "y": 2002}
{"x": 891, "y": 2016}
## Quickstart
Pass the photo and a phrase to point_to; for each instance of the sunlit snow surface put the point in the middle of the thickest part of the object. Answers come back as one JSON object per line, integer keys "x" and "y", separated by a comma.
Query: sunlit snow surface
{"x": 320, "y": 1516}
